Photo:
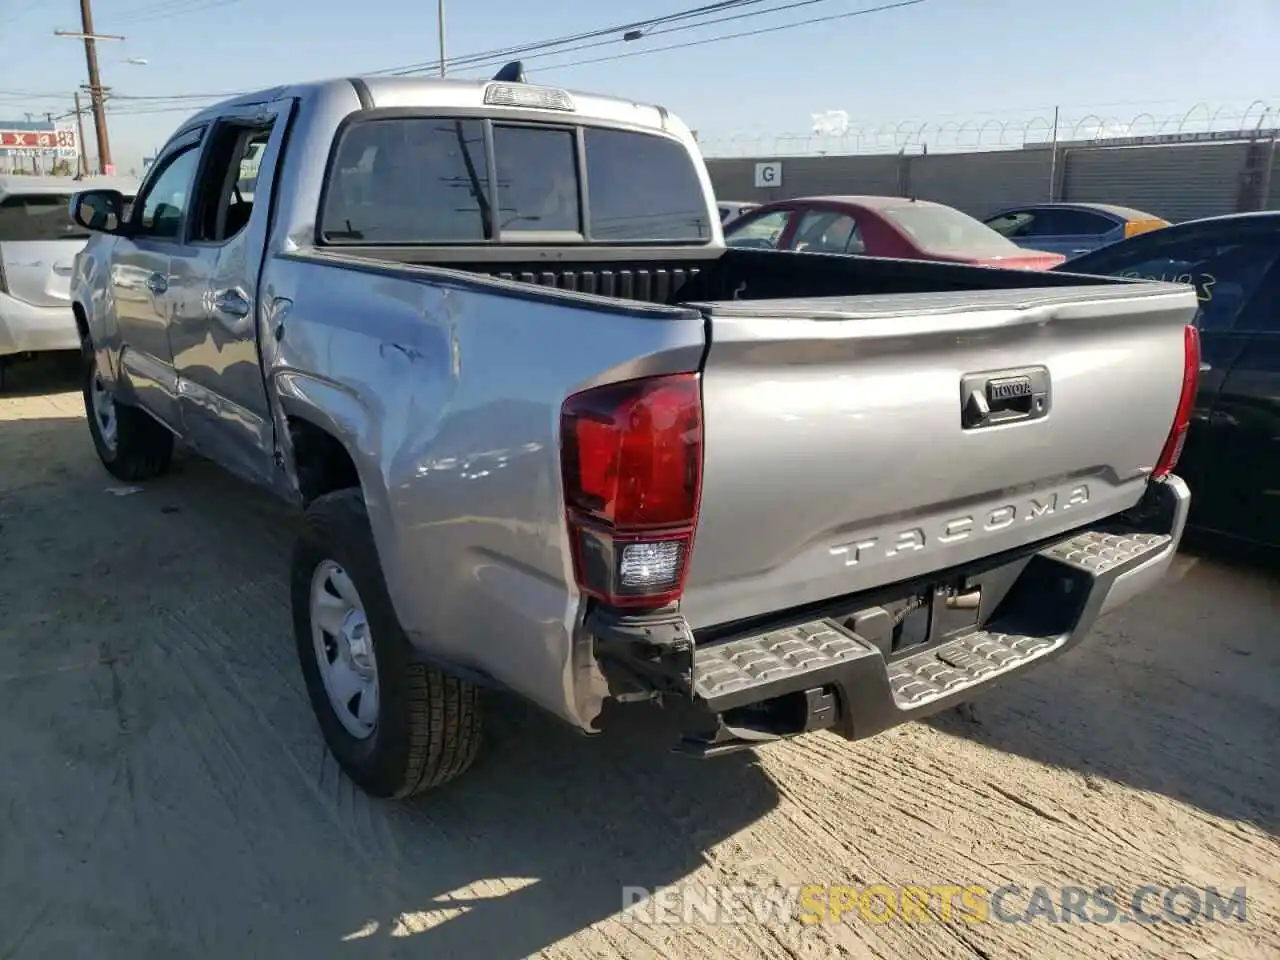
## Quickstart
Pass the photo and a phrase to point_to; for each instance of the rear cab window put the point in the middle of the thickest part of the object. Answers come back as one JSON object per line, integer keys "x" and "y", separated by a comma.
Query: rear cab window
{"x": 408, "y": 181}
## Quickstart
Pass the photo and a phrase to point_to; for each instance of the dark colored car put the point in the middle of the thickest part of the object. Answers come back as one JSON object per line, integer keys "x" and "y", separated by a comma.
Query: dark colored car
{"x": 898, "y": 227}
{"x": 1071, "y": 228}
{"x": 1232, "y": 454}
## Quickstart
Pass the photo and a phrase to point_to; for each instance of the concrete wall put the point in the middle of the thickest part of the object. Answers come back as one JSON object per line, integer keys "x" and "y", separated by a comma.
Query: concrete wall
{"x": 1177, "y": 182}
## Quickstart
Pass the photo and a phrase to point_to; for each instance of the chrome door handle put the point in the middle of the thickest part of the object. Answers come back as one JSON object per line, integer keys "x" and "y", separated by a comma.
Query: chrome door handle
{"x": 1205, "y": 367}
{"x": 231, "y": 302}
{"x": 157, "y": 283}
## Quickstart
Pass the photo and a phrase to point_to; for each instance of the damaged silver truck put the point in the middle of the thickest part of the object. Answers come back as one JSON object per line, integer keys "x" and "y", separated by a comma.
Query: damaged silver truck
{"x": 551, "y": 436}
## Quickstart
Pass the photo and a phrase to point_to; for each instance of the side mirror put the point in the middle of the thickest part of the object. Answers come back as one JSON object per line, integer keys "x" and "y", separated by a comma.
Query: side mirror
{"x": 99, "y": 210}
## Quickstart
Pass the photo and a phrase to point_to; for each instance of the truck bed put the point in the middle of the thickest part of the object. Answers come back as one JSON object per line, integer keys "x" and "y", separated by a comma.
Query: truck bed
{"x": 677, "y": 275}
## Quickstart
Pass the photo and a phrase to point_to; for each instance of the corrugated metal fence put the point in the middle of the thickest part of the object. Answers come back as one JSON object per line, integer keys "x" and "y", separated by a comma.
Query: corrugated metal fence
{"x": 1177, "y": 182}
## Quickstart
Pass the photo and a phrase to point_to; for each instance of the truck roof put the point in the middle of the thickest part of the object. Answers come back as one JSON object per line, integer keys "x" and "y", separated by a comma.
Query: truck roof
{"x": 456, "y": 94}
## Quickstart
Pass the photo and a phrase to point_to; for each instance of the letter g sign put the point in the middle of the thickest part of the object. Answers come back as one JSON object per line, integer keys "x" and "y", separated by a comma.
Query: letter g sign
{"x": 769, "y": 174}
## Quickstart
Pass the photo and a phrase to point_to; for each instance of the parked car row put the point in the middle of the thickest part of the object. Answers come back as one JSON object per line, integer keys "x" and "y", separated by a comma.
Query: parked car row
{"x": 1069, "y": 229}
{"x": 1232, "y": 457}
{"x": 898, "y": 227}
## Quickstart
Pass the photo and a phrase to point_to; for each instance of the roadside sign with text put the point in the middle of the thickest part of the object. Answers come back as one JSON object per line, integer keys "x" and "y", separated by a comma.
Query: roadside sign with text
{"x": 60, "y": 141}
{"x": 769, "y": 174}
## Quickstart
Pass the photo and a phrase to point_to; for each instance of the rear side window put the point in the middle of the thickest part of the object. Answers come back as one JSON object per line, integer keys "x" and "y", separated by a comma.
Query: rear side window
{"x": 1050, "y": 223}
{"x": 1226, "y": 270}
{"x": 406, "y": 182}
{"x": 940, "y": 229}
{"x": 416, "y": 180}
{"x": 1073, "y": 223}
{"x": 38, "y": 216}
{"x": 643, "y": 188}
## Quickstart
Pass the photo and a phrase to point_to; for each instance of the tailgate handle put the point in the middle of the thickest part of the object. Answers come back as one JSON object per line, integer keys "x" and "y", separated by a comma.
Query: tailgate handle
{"x": 995, "y": 397}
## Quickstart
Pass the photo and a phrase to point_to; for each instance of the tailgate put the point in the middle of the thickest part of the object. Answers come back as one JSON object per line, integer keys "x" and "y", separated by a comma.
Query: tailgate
{"x": 837, "y": 457}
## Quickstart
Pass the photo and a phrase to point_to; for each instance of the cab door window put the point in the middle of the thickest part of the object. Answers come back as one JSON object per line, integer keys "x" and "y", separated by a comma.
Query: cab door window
{"x": 224, "y": 194}
{"x": 161, "y": 209}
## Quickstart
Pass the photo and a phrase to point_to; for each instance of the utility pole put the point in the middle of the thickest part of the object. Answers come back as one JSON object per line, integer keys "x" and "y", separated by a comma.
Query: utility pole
{"x": 82, "y": 157}
{"x": 96, "y": 91}
{"x": 439, "y": 16}
{"x": 49, "y": 117}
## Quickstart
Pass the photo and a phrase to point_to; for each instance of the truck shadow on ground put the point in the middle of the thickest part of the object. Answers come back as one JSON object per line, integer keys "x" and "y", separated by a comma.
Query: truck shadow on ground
{"x": 167, "y": 792}
{"x": 1178, "y": 692}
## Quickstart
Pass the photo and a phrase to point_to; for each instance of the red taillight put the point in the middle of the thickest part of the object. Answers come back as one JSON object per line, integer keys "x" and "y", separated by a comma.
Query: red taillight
{"x": 1186, "y": 404}
{"x": 631, "y": 459}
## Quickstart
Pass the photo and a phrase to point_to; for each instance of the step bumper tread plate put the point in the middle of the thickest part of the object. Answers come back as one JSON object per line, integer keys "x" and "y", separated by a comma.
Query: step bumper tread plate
{"x": 874, "y": 691}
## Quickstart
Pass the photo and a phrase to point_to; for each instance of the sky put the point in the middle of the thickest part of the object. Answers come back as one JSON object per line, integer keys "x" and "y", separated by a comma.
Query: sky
{"x": 936, "y": 62}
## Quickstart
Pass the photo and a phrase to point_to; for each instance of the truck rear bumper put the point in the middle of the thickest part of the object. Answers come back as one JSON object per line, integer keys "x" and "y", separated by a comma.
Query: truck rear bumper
{"x": 822, "y": 673}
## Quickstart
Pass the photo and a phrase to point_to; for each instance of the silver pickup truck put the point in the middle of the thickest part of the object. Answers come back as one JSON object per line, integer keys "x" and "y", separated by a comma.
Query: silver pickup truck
{"x": 551, "y": 436}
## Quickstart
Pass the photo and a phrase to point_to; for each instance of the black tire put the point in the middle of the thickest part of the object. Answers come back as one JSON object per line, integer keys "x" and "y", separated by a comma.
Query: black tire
{"x": 429, "y": 724}
{"x": 143, "y": 448}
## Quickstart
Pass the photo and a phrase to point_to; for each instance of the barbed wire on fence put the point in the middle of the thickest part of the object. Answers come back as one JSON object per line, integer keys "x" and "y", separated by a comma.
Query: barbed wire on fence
{"x": 989, "y": 134}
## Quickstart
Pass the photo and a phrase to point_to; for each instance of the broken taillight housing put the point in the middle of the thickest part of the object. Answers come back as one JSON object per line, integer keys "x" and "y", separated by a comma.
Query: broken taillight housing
{"x": 631, "y": 461}
{"x": 1186, "y": 404}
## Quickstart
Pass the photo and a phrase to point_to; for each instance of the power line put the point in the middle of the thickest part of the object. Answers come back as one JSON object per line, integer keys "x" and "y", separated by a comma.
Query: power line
{"x": 734, "y": 36}
{"x": 479, "y": 60}
{"x": 149, "y": 111}
{"x": 21, "y": 12}
{"x": 224, "y": 95}
{"x": 692, "y": 26}
{"x": 166, "y": 11}
{"x": 487, "y": 55}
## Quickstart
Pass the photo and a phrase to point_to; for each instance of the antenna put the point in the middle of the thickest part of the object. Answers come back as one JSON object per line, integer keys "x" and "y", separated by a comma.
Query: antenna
{"x": 513, "y": 72}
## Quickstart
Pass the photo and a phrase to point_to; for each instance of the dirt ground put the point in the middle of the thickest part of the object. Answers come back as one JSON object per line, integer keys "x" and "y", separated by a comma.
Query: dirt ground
{"x": 164, "y": 791}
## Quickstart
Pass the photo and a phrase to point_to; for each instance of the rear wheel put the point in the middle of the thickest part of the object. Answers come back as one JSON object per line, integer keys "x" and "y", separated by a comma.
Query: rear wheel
{"x": 130, "y": 444}
{"x": 395, "y": 726}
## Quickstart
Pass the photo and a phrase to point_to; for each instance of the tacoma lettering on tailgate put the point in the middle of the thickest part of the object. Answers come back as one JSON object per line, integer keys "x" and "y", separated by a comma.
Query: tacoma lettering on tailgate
{"x": 958, "y": 528}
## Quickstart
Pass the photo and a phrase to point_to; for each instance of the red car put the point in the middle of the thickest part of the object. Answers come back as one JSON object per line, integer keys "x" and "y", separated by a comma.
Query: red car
{"x": 897, "y": 227}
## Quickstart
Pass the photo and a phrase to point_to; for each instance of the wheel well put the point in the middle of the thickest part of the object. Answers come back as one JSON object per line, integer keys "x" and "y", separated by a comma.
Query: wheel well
{"x": 322, "y": 462}
{"x": 82, "y": 322}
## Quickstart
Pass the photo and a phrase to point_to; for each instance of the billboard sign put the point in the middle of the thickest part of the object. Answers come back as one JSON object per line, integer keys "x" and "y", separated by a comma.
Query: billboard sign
{"x": 51, "y": 141}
